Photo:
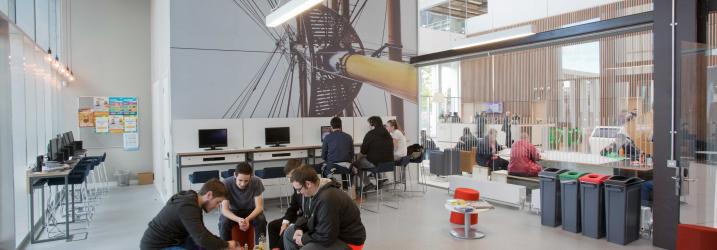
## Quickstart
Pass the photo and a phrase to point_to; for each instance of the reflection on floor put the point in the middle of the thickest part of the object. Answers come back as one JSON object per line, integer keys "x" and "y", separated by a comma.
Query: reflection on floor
{"x": 420, "y": 223}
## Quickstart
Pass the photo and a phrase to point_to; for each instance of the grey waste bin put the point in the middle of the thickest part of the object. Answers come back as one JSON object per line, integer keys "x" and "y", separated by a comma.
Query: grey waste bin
{"x": 122, "y": 178}
{"x": 570, "y": 201}
{"x": 622, "y": 209}
{"x": 550, "y": 196}
{"x": 592, "y": 205}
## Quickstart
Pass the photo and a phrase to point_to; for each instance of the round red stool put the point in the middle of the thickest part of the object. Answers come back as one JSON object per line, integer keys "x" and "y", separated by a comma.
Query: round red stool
{"x": 468, "y": 195}
{"x": 244, "y": 237}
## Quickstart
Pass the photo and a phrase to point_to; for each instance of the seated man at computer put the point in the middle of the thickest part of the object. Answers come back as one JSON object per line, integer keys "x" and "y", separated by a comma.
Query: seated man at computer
{"x": 487, "y": 153}
{"x": 331, "y": 220}
{"x": 180, "y": 224}
{"x": 337, "y": 150}
{"x": 377, "y": 147}
{"x": 524, "y": 157}
{"x": 244, "y": 205}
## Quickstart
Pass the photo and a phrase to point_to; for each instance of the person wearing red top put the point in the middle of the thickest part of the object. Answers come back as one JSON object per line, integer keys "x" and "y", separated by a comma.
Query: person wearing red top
{"x": 524, "y": 157}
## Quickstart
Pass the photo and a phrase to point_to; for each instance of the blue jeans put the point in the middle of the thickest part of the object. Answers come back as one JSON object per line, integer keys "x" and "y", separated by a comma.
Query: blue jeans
{"x": 645, "y": 193}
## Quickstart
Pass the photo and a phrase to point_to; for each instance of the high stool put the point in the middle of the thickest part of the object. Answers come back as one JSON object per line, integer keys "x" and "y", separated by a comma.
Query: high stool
{"x": 385, "y": 167}
{"x": 202, "y": 176}
{"x": 243, "y": 237}
{"x": 275, "y": 173}
{"x": 345, "y": 173}
{"x": 468, "y": 195}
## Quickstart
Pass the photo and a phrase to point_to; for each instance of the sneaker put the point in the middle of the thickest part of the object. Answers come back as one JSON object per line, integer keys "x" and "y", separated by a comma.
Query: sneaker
{"x": 368, "y": 188}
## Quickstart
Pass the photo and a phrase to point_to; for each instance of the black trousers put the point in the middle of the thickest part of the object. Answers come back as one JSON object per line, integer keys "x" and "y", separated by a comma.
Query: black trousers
{"x": 275, "y": 240}
{"x": 225, "y": 225}
{"x": 499, "y": 164}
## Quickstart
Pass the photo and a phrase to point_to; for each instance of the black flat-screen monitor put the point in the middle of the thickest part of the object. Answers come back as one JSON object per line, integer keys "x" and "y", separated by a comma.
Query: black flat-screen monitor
{"x": 71, "y": 136}
{"x": 277, "y": 136}
{"x": 212, "y": 138}
{"x": 325, "y": 130}
{"x": 54, "y": 149}
{"x": 66, "y": 141}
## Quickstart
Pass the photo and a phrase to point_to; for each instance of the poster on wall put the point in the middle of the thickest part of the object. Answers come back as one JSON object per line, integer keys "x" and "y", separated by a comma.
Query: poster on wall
{"x": 116, "y": 124}
{"x": 100, "y": 103}
{"x": 86, "y": 118}
{"x": 130, "y": 123}
{"x": 131, "y": 141}
{"x": 116, "y": 105}
{"x": 102, "y": 124}
{"x": 130, "y": 106}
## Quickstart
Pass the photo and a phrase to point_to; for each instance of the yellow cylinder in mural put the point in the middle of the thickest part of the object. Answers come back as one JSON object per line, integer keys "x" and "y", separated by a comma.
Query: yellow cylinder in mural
{"x": 398, "y": 78}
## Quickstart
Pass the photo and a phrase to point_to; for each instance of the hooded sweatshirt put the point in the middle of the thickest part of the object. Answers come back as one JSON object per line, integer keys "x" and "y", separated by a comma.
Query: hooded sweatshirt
{"x": 178, "y": 220}
{"x": 330, "y": 215}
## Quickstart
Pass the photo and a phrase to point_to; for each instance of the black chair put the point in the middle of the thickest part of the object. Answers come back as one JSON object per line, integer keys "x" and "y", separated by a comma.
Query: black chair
{"x": 202, "y": 176}
{"x": 275, "y": 173}
{"x": 340, "y": 170}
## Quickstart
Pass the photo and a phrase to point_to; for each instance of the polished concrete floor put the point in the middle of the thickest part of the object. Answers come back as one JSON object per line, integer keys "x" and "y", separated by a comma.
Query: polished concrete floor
{"x": 421, "y": 222}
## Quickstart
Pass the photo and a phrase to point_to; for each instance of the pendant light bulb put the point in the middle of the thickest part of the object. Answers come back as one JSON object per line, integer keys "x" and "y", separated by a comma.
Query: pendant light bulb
{"x": 56, "y": 63}
{"x": 48, "y": 57}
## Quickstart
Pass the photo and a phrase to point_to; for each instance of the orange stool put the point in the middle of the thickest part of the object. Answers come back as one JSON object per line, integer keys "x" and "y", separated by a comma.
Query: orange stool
{"x": 694, "y": 237}
{"x": 468, "y": 195}
{"x": 243, "y": 237}
{"x": 355, "y": 247}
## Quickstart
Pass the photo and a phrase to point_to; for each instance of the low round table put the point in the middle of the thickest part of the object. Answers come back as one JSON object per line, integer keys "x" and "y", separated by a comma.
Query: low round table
{"x": 466, "y": 232}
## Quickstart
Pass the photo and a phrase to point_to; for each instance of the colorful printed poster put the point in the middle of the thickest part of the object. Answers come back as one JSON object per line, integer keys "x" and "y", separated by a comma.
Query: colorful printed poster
{"x": 116, "y": 107}
{"x": 130, "y": 105}
{"x": 102, "y": 124}
{"x": 100, "y": 103}
{"x": 130, "y": 123}
{"x": 116, "y": 124}
{"x": 131, "y": 141}
{"x": 86, "y": 118}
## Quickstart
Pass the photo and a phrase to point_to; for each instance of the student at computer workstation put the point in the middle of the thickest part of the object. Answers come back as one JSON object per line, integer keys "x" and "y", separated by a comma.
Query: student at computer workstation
{"x": 337, "y": 150}
{"x": 277, "y": 227}
{"x": 487, "y": 153}
{"x": 331, "y": 220}
{"x": 399, "y": 139}
{"x": 179, "y": 225}
{"x": 524, "y": 157}
{"x": 244, "y": 205}
{"x": 377, "y": 147}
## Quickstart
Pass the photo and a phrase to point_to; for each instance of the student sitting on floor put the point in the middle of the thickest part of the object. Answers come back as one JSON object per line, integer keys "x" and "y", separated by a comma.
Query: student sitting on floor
{"x": 179, "y": 225}
{"x": 524, "y": 157}
{"x": 278, "y": 226}
{"x": 244, "y": 204}
{"x": 331, "y": 220}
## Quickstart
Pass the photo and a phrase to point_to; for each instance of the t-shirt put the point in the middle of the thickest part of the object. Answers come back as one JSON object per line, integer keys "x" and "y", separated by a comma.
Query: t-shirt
{"x": 243, "y": 199}
{"x": 401, "y": 140}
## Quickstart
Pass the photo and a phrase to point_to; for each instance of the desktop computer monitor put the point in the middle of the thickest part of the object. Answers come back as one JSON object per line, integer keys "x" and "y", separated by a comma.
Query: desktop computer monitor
{"x": 212, "y": 138}
{"x": 277, "y": 136}
{"x": 71, "y": 136}
{"x": 325, "y": 130}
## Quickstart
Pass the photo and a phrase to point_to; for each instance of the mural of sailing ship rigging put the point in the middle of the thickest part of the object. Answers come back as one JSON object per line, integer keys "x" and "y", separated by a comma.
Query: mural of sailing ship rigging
{"x": 323, "y": 56}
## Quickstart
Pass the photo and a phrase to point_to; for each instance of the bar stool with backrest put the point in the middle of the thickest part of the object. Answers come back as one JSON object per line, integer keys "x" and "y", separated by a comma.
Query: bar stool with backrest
{"x": 385, "y": 167}
{"x": 344, "y": 172}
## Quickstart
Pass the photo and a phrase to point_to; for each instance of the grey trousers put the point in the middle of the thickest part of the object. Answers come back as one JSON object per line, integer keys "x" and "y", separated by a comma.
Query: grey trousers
{"x": 289, "y": 243}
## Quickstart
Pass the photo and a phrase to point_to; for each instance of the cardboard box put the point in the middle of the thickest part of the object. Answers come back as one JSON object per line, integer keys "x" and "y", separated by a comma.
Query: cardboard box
{"x": 145, "y": 178}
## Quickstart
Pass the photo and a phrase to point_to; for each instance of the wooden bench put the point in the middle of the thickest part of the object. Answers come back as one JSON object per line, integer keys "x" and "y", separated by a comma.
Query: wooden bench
{"x": 528, "y": 182}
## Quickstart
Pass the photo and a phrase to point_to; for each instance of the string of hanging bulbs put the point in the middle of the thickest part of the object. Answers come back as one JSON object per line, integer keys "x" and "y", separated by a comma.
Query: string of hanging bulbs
{"x": 54, "y": 61}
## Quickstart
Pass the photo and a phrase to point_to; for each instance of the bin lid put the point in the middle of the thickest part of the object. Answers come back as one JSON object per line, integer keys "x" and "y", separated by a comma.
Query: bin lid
{"x": 594, "y": 178}
{"x": 571, "y": 175}
{"x": 551, "y": 172}
{"x": 623, "y": 181}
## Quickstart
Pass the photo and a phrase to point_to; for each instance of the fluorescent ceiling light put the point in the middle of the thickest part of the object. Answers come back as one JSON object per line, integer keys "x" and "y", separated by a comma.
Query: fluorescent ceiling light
{"x": 497, "y": 36}
{"x": 288, "y": 11}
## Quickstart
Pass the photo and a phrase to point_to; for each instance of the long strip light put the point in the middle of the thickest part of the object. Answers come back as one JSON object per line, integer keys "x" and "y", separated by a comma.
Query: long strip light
{"x": 288, "y": 11}
{"x": 498, "y": 36}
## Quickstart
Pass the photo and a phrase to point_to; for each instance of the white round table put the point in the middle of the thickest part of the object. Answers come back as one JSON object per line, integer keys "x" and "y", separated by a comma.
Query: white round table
{"x": 466, "y": 232}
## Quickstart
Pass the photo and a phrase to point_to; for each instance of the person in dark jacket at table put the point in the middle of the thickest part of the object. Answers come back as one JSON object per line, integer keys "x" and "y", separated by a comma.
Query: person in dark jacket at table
{"x": 377, "y": 147}
{"x": 179, "y": 225}
{"x": 487, "y": 153}
{"x": 331, "y": 219}
{"x": 278, "y": 226}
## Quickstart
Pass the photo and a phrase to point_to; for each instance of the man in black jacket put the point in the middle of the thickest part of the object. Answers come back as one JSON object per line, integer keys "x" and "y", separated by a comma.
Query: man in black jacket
{"x": 179, "y": 225}
{"x": 377, "y": 147}
{"x": 278, "y": 226}
{"x": 331, "y": 220}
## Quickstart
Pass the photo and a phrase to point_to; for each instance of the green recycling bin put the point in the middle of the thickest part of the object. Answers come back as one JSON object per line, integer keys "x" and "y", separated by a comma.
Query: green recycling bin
{"x": 570, "y": 200}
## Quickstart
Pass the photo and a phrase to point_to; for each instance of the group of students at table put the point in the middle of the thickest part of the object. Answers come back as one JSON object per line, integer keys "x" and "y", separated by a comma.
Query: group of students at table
{"x": 524, "y": 156}
{"x": 320, "y": 214}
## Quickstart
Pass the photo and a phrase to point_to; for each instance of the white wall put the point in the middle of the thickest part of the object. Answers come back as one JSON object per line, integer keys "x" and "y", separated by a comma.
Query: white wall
{"x": 7, "y": 208}
{"x": 111, "y": 57}
{"x": 431, "y": 40}
{"x": 161, "y": 108}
